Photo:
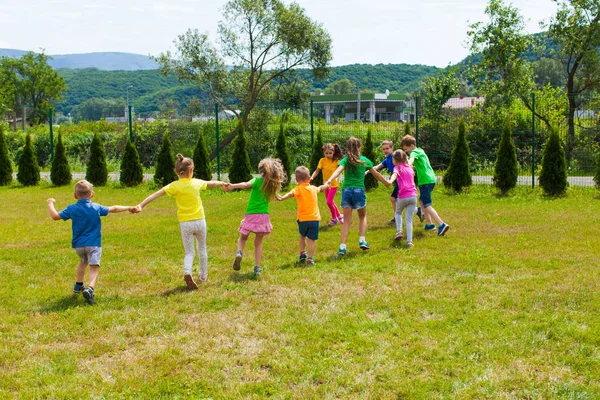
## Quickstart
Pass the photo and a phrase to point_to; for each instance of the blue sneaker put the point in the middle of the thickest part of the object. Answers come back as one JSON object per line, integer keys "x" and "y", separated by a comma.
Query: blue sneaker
{"x": 302, "y": 256}
{"x": 420, "y": 214}
{"x": 363, "y": 245}
{"x": 430, "y": 227}
{"x": 341, "y": 252}
{"x": 77, "y": 288}
{"x": 88, "y": 295}
{"x": 442, "y": 229}
{"x": 257, "y": 271}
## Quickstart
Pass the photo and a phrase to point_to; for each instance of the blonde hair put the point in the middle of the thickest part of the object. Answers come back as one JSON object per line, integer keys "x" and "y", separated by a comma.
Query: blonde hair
{"x": 387, "y": 143}
{"x": 273, "y": 175}
{"x": 302, "y": 173}
{"x": 400, "y": 157}
{"x": 408, "y": 141}
{"x": 183, "y": 164}
{"x": 353, "y": 146}
{"x": 83, "y": 189}
{"x": 337, "y": 152}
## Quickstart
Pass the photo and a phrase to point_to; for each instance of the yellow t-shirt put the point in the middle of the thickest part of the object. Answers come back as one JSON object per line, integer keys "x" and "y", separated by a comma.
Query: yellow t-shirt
{"x": 328, "y": 167}
{"x": 308, "y": 204}
{"x": 187, "y": 197}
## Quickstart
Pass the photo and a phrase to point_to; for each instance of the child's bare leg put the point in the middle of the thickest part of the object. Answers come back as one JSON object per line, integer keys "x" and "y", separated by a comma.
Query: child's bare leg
{"x": 79, "y": 275}
{"x": 311, "y": 248}
{"x": 346, "y": 224}
{"x": 242, "y": 242}
{"x": 424, "y": 211}
{"x": 393, "y": 201}
{"x": 432, "y": 214}
{"x": 362, "y": 221}
{"x": 302, "y": 244}
{"x": 258, "y": 240}
{"x": 94, "y": 269}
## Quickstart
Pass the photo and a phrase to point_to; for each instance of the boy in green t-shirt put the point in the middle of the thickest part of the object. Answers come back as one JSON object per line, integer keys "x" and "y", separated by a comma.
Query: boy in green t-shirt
{"x": 426, "y": 177}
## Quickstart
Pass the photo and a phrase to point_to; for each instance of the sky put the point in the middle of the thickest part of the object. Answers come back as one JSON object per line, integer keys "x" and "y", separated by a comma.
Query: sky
{"x": 428, "y": 32}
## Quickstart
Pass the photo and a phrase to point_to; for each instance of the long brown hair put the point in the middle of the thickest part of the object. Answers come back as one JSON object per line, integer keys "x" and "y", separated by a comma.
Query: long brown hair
{"x": 183, "y": 164}
{"x": 273, "y": 175}
{"x": 337, "y": 152}
{"x": 353, "y": 146}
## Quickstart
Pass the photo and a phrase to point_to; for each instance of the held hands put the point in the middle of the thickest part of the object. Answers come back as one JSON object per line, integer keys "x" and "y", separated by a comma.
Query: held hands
{"x": 226, "y": 187}
{"x": 279, "y": 197}
{"x": 135, "y": 209}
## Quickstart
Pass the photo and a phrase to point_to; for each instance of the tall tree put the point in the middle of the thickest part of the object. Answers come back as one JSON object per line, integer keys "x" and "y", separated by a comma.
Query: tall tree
{"x": 201, "y": 158}
{"x": 259, "y": 42}
{"x": 506, "y": 168}
{"x": 553, "y": 176}
{"x": 60, "y": 172}
{"x": 132, "y": 172}
{"x": 240, "y": 169}
{"x": 315, "y": 157}
{"x": 29, "y": 170}
{"x": 5, "y": 163}
{"x": 437, "y": 90}
{"x": 165, "y": 163}
{"x": 97, "y": 170}
{"x": 368, "y": 151}
{"x": 282, "y": 153}
{"x": 458, "y": 174}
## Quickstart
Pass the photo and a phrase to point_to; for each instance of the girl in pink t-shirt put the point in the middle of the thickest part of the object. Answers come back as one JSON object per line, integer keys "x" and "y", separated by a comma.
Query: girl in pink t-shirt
{"x": 407, "y": 194}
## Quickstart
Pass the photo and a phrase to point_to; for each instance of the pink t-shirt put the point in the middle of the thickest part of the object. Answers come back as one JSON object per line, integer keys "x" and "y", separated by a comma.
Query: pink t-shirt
{"x": 406, "y": 181}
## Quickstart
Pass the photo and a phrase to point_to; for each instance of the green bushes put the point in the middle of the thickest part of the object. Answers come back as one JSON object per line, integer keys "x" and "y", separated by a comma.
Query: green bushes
{"x": 29, "y": 170}
{"x": 5, "y": 163}
{"x": 597, "y": 175}
{"x": 132, "y": 173}
{"x": 370, "y": 180}
{"x": 458, "y": 175}
{"x": 553, "y": 178}
{"x": 165, "y": 163}
{"x": 240, "y": 170}
{"x": 97, "y": 171}
{"x": 506, "y": 168}
{"x": 60, "y": 173}
{"x": 282, "y": 153}
{"x": 201, "y": 159}
{"x": 317, "y": 154}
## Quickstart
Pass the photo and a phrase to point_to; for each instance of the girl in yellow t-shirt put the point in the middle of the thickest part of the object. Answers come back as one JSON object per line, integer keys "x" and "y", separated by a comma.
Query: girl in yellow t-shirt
{"x": 190, "y": 214}
{"x": 328, "y": 164}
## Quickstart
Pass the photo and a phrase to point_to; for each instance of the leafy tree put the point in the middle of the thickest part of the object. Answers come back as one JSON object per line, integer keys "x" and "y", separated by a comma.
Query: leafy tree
{"x": 437, "y": 90}
{"x": 5, "y": 164}
{"x": 597, "y": 175}
{"x": 201, "y": 160}
{"x": 260, "y": 41}
{"x": 240, "y": 170}
{"x": 341, "y": 86}
{"x": 316, "y": 156}
{"x": 194, "y": 107}
{"x": 29, "y": 171}
{"x": 458, "y": 175}
{"x": 165, "y": 163}
{"x": 506, "y": 169}
{"x": 60, "y": 172}
{"x": 94, "y": 109}
{"x": 282, "y": 153}
{"x": 132, "y": 173}
{"x": 368, "y": 151}
{"x": 553, "y": 177}
{"x": 97, "y": 170}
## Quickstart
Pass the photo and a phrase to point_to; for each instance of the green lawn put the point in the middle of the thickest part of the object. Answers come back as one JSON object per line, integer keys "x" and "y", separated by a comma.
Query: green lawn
{"x": 505, "y": 306}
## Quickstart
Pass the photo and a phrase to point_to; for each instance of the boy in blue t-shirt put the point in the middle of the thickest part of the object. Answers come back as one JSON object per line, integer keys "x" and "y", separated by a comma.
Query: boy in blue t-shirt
{"x": 86, "y": 225}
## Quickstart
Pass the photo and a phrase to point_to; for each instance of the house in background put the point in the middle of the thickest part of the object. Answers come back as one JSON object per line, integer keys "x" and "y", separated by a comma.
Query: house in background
{"x": 461, "y": 103}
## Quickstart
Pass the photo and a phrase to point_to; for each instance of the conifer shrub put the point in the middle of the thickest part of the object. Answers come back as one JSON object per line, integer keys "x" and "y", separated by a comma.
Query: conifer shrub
{"x": 60, "y": 172}
{"x": 240, "y": 170}
{"x": 458, "y": 176}
{"x": 553, "y": 177}
{"x": 201, "y": 159}
{"x": 506, "y": 168}
{"x": 97, "y": 170}
{"x": 282, "y": 153}
{"x": 368, "y": 151}
{"x": 28, "y": 173}
{"x": 5, "y": 163}
{"x": 407, "y": 128}
{"x": 316, "y": 156}
{"x": 597, "y": 175}
{"x": 132, "y": 173}
{"x": 165, "y": 163}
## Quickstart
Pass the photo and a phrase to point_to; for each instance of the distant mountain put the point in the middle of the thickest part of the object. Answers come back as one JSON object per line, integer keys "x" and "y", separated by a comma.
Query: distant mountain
{"x": 106, "y": 61}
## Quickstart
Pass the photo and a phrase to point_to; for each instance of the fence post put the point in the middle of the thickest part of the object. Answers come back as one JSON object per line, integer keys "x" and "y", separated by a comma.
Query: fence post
{"x": 218, "y": 144}
{"x": 51, "y": 135}
{"x": 532, "y": 140}
{"x": 417, "y": 103}
{"x": 312, "y": 126}
{"x": 129, "y": 118}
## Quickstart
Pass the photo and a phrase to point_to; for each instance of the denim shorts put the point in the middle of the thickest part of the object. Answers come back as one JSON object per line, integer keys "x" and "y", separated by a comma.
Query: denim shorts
{"x": 354, "y": 198}
{"x": 89, "y": 255}
{"x": 310, "y": 229}
{"x": 425, "y": 194}
{"x": 395, "y": 191}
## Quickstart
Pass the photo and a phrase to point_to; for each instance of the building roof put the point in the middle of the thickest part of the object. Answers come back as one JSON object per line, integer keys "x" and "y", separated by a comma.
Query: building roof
{"x": 345, "y": 98}
{"x": 463, "y": 102}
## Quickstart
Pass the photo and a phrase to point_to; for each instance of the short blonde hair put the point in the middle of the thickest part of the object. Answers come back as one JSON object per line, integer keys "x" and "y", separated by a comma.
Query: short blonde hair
{"x": 302, "y": 173}
{"x": 387, "y": 143}
{"x": 83, "y": 189}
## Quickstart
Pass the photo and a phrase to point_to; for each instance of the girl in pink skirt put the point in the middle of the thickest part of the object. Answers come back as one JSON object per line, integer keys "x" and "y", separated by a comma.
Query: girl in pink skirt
{"x": 257, "y": 221}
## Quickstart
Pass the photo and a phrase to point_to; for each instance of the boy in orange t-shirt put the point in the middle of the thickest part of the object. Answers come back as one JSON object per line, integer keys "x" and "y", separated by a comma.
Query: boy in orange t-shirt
{"x": 308, "y": 213}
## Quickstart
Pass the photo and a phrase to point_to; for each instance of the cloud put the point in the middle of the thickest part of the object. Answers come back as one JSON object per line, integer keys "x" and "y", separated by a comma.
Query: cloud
{"x": 68, "y": 14}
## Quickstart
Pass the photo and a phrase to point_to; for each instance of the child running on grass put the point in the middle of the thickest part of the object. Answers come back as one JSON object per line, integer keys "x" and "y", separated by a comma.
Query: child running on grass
{"x": 87, "y": 237}
{"x": 426, "y": 178}
{"x": 308, "y": 212}
{"x": 404, "y": 177}
{"x": 257, "y": 221}
{"x": 190, "y": 214}
{"x": 328, "y": 164}
{"x": 353, "y": 190}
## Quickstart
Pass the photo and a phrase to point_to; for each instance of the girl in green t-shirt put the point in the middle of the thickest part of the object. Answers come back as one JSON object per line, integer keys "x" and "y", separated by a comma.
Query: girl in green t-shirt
{"x": 257, "y": 221}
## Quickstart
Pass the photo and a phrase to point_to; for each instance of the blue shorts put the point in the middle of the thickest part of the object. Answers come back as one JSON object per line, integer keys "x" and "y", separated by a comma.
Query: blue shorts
{"x": 354, "y": 198}
{"x": 395, "y": 191}
{"x": 310, "y": 229}
{"x": 425, "y": 194}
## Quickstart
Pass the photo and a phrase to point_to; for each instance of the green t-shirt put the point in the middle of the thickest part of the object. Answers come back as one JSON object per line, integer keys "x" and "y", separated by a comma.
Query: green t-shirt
{"x": 425, "y": 174}
{"x": 354, "y": 178}
{"x": 258, "y": 203}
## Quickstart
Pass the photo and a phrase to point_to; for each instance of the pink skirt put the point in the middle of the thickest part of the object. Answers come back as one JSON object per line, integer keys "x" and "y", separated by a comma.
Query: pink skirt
{"x": 256, "y": 223}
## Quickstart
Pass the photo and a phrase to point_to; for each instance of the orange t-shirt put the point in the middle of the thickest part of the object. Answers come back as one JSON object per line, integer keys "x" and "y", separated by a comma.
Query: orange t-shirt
{"x": 308, "y": 204}
{"x": 328, "y": 167}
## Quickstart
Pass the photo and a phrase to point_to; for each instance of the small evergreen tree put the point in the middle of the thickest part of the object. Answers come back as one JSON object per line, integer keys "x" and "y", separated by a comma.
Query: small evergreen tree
{"x": 370, "y": 180}
{"x": 282, "y": 153}
{"x": 240, "y": 170}
{"x": 506, "y": 169}
{"x": 97, "y": 171}
{"x": 5, "y": 164}
{"x": 29, "y": 171}
{"x": 406, "y": 128}
{"x": 132, "y": 173}
{"x": 316, "y": 156}
{"x": 458, "y": 175}
{"x": 165, "y": 163}
{"x": 201, "y": 159}
{"x": 60, "y": 172}
{"x": 597, "y": 175}
{"x": 553, "y": 177}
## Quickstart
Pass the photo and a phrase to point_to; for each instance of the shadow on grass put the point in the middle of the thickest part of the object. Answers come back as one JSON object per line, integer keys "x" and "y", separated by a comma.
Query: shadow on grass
{"x": 176, "y": 290}
{"x": 242, "y": 277}
{"x": 295, "y": 264}
{"x": 391, "y": 227}
{"x": 351, "y": 254}
{"x": 63, "y": 304}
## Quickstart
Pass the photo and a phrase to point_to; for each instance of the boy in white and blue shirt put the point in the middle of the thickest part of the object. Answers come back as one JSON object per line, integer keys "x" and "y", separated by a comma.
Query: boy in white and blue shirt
{"x": 87, "y": 236}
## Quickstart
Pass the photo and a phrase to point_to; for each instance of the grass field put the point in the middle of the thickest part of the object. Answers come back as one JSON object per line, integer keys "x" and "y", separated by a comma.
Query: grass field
{"x": 505, "y": 306}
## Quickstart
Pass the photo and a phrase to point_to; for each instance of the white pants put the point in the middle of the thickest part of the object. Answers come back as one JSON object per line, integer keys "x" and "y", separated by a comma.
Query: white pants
{"x": 189, "y": 231}
{"x": 410, "y": 203}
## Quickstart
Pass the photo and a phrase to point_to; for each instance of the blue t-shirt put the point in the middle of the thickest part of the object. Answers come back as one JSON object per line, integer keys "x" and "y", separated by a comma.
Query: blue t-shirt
{"x": 86, "y": 224}
{"x": 389, "y": 163}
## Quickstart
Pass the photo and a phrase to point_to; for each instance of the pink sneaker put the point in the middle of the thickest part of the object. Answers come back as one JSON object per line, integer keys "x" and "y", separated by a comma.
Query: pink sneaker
{"x": 340, "y": 219}
{"x": 332, "y": 222}
{"x": 398, "y": 236}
